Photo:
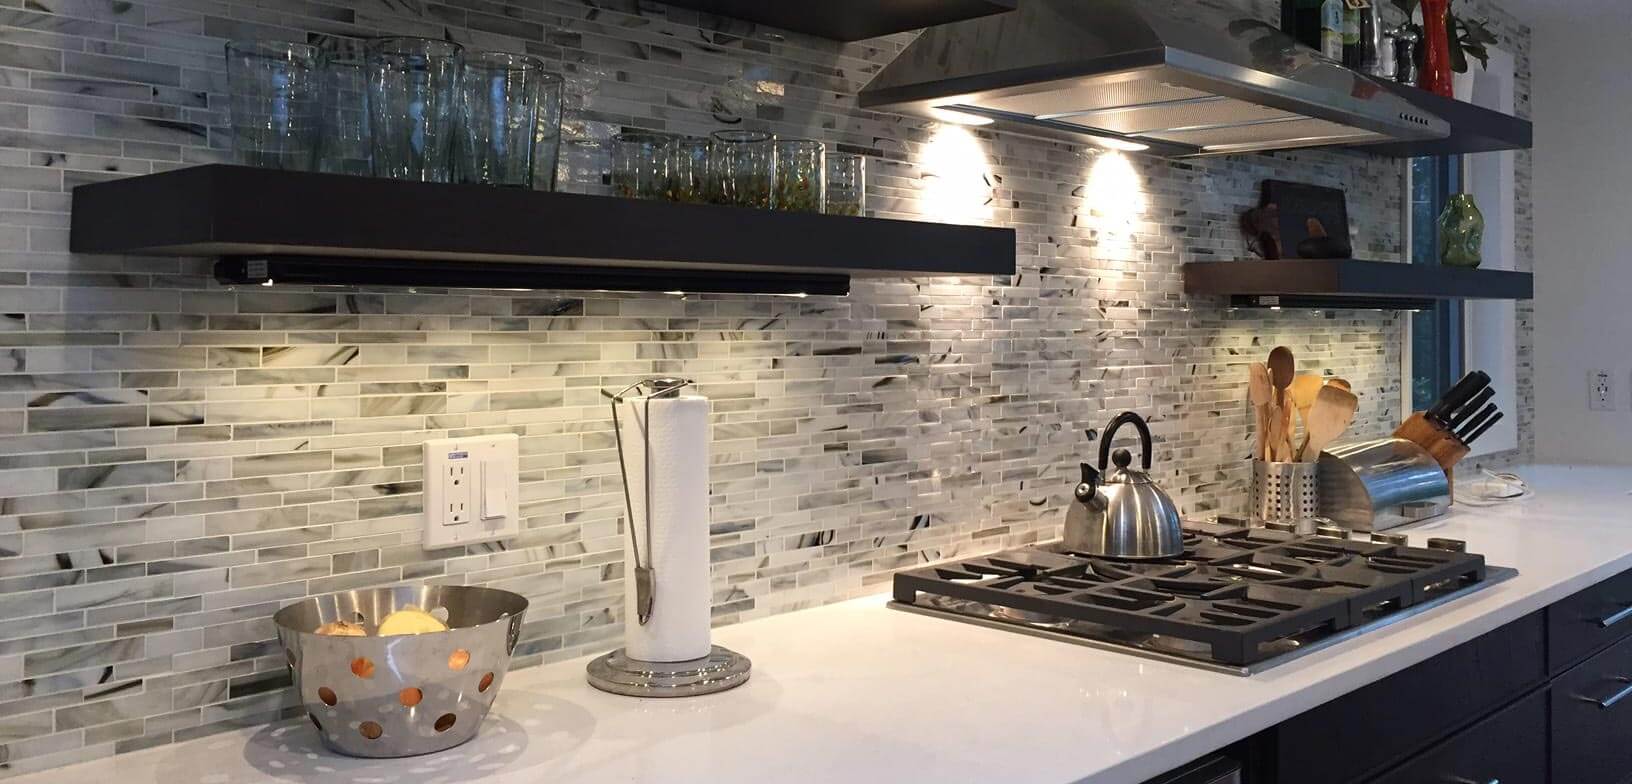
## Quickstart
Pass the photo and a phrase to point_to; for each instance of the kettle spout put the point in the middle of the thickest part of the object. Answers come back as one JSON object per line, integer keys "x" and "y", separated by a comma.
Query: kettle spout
{"x": 1089, "y": 487}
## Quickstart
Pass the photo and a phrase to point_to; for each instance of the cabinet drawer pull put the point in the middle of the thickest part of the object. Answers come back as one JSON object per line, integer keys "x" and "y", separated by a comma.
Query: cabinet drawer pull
{"x": 1609, "y": 702}
{"x": 1611, "y": 620}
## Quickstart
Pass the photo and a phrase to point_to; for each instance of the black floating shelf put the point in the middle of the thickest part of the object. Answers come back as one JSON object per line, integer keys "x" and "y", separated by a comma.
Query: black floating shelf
{"x": 1349, "y": 283}
{"x": 1473, "y": 128}
{"x": 336, "y": 229}
{"x": 850, "y": 20}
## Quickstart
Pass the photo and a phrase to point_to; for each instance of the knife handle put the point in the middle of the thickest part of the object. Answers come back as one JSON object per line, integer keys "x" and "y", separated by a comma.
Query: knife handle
{"x": 1463, "y": 391}
{"x": 1474, "y": 436}
{"x": 1472, "y": 407}
{"x": 1474, "y": 423}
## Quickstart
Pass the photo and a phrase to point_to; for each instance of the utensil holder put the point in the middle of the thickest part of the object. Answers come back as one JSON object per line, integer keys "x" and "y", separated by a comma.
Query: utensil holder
{"x": 1284, "y": 492}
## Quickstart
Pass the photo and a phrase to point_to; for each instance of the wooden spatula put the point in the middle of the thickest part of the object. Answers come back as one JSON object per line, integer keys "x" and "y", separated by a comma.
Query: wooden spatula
{"x": 1332, "y": 414}
{"x": 1303, "y": 391}
{"x": 1261, "y": 393}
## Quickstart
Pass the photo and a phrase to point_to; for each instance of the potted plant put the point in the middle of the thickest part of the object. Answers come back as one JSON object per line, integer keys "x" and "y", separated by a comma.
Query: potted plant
{"x": 1469, "y": 39}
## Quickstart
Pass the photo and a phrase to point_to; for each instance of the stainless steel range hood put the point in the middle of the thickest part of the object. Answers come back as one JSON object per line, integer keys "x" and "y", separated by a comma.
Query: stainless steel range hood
{"x": 1178, "y": 77}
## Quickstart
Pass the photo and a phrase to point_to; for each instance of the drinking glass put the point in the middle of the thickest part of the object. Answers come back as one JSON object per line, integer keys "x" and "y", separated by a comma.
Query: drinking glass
{"x": 585, "y": 163}
{"x": 801, "y": 169}
{"x": 275, "y": 89}
{"x": 345, "y": 144}
{"x": 547, "y": 140}
{"x": 846, "y": 183}
{"x": 498, "y": 118}
{"x": 411, "y": 95}
{"x": 688, "y": 170}
{"x": 740, "y": 164}
{"x": 639, "y": 165}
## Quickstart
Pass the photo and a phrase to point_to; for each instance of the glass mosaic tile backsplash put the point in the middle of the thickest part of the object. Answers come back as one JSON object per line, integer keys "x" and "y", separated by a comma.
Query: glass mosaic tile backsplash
{"x": 178, "y": 458}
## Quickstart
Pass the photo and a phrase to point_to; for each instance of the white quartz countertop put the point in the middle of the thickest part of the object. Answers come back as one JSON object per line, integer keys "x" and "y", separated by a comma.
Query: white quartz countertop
{"x": 857, "y": 692}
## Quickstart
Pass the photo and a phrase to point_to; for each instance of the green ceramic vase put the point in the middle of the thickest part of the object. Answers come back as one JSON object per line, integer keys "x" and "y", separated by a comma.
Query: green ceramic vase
{"x": 1461, "y": 232}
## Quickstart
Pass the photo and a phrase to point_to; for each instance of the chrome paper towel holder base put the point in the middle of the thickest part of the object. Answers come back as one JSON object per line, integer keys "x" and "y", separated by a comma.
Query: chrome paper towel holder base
{"x": 720, "y": 670}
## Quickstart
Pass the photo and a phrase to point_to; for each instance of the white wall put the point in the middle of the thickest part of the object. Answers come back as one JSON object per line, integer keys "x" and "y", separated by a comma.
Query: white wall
{"x": 1582, "y": 83}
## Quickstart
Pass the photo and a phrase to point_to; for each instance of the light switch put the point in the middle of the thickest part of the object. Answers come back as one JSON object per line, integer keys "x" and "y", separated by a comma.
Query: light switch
{"x": 495, "y": 498}
{"x": 471, "y": 480}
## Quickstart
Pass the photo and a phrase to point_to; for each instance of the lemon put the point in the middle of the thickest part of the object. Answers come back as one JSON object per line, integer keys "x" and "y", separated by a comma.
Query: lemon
{"x": 410, "y": 620}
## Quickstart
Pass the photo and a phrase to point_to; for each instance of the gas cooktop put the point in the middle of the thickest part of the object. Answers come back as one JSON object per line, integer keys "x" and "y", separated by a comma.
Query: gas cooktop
{"x": 1237, "y": 600}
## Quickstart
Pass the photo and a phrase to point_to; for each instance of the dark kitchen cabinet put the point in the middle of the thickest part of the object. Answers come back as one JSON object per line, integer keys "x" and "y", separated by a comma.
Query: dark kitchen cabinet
{"x": 1547, "y": 698}
{"x": 1508, "y": 746}
{"x": 1588, "y": 621}
{"x": 1368, "y": 731}
{"x": 1592, "y": 719}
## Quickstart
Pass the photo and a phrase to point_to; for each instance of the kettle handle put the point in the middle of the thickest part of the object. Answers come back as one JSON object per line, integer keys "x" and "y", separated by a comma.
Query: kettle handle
{"x": 1138, "y": 422}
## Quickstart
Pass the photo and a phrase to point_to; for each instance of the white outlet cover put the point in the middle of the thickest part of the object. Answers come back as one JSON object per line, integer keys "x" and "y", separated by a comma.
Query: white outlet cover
{"x": 472, "y": 490}
{"x": 1600, "y": 391}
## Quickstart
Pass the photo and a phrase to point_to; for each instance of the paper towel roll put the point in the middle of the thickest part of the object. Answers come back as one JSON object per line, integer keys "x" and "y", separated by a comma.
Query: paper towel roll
{"x": 677, "y": 434}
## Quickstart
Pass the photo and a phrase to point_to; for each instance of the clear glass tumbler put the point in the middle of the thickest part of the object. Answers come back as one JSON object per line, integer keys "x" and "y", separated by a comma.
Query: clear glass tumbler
{"x": 345, "y": 146}
{"x": 547, "y": 139}
{"x": 276, "y": 101}
{"x": 846, "y": 183}
{"x": 412, "y": 89}
{"x": 801, "y": 170}
{"x": 498, "y": 118}
{"x": 585, "y": 167}
{"x": 640, "y": 165}
{"x": 688, "y": 170}
{"x": 740, "y": 166}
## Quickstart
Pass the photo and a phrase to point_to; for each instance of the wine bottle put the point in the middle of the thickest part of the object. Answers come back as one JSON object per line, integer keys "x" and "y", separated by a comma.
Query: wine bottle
{"x": 1351, "y": 35}
{"x": 1371, "y": 36}
{"x": 1301, "y": 20}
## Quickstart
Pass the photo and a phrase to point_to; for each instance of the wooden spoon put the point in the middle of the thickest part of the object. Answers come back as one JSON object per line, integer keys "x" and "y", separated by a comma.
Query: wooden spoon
{"x": 1304, "y": 389}
{"x": 1342, "y": 383}
{"x": 1283, "y": 367}
{"x": 1333, "y": 413}
{"x": 1261, "y": 393}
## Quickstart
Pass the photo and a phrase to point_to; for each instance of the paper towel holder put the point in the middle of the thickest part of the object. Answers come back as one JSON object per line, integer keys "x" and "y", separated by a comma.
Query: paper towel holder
{"x": 645, "y": 578}
{"x": 617, "y": 672}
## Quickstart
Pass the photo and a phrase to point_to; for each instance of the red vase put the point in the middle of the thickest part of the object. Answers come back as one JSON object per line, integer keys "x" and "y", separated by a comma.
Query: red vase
{"x": 1436, "y": 54}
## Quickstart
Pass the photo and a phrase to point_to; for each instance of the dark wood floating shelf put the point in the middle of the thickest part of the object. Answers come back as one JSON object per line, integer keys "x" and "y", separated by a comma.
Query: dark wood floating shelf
{"x": 335, "y": 229}
{"x": 850, "y": 20}
{"x": 1473, "y": 128}
{"x": 1349, "y": 283}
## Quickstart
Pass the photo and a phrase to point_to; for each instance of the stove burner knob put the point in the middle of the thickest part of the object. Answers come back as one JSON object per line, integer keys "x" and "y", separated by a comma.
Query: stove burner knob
{"x": 1395, "y": 539}
{"x": 1283, "y": 526}
{"x": 1333, "y": 531}
{"x": 1449, "y": 545}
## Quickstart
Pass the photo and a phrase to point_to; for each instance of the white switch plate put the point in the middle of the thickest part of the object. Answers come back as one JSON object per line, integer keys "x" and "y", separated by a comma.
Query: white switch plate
{"x": 1600, "y": 391}
{"x": 471, "y": 490}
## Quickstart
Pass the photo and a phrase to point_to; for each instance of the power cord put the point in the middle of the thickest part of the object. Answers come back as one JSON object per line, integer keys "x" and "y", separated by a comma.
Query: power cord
{"x": 1495, "y": 489}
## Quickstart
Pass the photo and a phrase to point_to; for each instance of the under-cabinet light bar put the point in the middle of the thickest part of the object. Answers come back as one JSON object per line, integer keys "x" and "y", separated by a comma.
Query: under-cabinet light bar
{"x": 339, "y": 271}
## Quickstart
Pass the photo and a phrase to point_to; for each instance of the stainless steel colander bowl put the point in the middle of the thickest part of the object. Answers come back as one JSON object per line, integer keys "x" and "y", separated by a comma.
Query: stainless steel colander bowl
{"x": 405, "y": 695}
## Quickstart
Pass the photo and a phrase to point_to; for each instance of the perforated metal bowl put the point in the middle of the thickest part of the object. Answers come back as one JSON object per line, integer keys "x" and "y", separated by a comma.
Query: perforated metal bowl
{"x": 405, "y": 695}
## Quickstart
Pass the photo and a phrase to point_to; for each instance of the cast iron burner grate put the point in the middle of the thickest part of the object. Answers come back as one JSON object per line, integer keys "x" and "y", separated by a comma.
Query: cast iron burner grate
{"x": 1236, "y": 596}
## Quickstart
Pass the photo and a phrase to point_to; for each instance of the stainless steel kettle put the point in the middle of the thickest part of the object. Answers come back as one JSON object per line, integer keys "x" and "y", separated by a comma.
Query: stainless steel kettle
{"x": 1121, "y": 513}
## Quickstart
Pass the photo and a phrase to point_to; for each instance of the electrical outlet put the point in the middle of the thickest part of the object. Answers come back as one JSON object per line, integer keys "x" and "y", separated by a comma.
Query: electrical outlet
{"x": 456, "y": 490}
{"x": 471, "y": 490}
{"x": 1600, "y": 391}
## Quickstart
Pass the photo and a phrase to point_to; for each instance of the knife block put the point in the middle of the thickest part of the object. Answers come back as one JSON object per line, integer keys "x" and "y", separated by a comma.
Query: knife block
{"x": 1440, "y": 443}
